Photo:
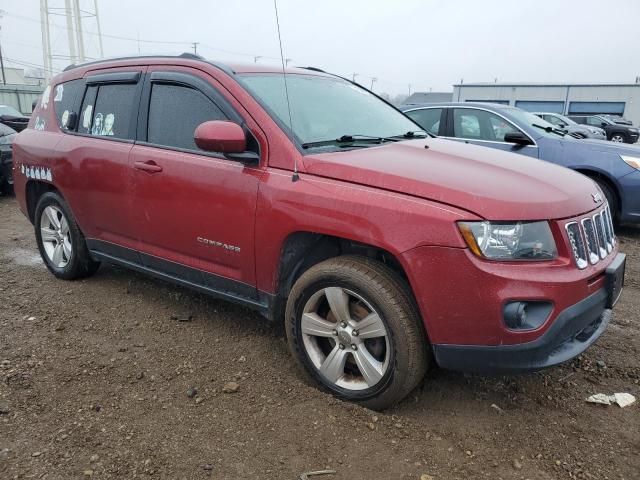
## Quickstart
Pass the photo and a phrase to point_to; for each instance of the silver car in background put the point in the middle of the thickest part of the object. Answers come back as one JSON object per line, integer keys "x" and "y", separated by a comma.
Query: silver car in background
{"x": 573, "y": 128}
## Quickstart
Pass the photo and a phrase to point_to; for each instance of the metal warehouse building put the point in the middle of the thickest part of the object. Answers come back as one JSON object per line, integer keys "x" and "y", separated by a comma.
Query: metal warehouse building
{"x": 569, "y": 99}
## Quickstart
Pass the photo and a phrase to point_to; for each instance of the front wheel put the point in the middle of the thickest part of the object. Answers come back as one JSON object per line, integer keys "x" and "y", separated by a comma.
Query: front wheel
{"x": 354, "y": 329}
{"x": 60, "y": 241}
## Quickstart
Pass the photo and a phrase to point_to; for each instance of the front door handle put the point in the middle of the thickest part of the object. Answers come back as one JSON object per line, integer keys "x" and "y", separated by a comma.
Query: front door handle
{"x": 149, "y": 166}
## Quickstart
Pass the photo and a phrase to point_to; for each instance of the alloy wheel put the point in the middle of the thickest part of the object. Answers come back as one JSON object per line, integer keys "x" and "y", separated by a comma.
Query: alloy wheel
{"x": 345, "y": 339}
{"x": 56, "y": 238}
{"x": 617, "y": 139}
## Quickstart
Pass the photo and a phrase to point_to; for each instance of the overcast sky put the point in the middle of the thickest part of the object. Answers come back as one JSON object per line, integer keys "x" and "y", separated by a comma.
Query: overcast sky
{"x": 425, "y": 43}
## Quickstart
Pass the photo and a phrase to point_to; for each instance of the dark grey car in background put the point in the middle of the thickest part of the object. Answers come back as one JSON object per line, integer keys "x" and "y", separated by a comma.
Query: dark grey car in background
{"x": 573, "y": 128}
{"x": 616, "y": 132}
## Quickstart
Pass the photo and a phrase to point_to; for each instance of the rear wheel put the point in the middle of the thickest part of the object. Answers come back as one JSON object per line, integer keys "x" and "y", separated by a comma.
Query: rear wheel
{"x": 619, "y": 138}
{"x": 61, "y": 244}
{"x": 353, "y": 328}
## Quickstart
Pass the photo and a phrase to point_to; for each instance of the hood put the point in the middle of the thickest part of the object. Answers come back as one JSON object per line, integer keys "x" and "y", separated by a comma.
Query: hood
{"x": 610, "y": 147}
{"x": 493, "y": 184}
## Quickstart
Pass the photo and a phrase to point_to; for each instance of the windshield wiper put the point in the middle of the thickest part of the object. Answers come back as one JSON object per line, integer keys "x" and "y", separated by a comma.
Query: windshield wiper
{"x": 557, "y": 131}
{"x": 349, "y": 140}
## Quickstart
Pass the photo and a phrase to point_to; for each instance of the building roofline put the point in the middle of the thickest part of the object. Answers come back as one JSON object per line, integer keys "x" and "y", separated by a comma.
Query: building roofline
{"x": 542, "y": 84}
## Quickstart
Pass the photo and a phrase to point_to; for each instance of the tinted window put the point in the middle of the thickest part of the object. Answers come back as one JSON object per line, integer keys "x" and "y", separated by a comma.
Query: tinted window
{"x": 113, "y": 111}
{"x": 427, "y": 118}
{"x": 480, "y": 125}
{"x": 86, "y": 111}
{"x": 65, "y": 98}
{"x": 174, "y": 114}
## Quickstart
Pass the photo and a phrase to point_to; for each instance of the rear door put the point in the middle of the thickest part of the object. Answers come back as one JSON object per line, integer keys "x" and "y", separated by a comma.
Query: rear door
{"x": 194, "y": 211}
{"x": 94, "y": 153}
{"x": 485, "y": 128}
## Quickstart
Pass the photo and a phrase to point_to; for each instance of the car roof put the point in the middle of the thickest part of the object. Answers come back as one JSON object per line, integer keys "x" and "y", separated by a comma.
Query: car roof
{"x": 190, "y": 59}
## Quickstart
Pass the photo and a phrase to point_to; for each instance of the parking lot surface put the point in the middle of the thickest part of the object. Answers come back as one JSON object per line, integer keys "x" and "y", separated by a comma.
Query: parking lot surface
{"x": 122, "y": 376}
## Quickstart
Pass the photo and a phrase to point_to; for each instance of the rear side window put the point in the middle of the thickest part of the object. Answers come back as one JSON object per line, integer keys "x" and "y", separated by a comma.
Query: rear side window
{"x": 428, "y": 118}
{"x": 65, "y": 98}
{"x": 175, "y": 111}
{"x": 111, "y": 114}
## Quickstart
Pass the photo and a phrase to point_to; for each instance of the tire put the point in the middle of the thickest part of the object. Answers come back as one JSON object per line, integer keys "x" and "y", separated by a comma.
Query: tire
{"x": 63, "y": 249}
{"x": 395, "y": 362}
{"x": 6, "y": 188}
{"x": 612, "y": 200}
{"x": 619, "y": 138}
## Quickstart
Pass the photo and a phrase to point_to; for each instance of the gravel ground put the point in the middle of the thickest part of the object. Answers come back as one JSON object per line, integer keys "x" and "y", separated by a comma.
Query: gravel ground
{"x": 121, "y": 376}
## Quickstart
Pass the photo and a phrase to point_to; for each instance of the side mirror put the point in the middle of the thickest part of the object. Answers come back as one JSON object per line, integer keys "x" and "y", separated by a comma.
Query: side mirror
{"x": 602, "y": 125}
{"x": 220, "y": 136}
{"x": 518, "y": 138}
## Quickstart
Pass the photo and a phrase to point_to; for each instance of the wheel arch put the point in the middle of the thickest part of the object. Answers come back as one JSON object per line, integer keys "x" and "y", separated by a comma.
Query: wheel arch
{"x": 302, "y": 250}
{"x": 33, "y": 191}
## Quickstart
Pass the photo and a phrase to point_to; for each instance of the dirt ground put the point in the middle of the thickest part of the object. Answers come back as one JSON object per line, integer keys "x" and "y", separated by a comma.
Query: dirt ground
{"x": 95, "y": 377}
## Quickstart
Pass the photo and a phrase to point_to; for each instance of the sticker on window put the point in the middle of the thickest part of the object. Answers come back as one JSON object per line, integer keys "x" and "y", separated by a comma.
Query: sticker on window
{"x": 108, "y": 124}
{"x": 59, "y": 92}
{"x": 97, "y": 125}
{"x": 86, "y": 118}
{"x": 65, "y": 119}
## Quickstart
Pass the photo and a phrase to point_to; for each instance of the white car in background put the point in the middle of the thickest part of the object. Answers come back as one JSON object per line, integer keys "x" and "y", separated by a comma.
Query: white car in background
{"x": 573, "y": 128}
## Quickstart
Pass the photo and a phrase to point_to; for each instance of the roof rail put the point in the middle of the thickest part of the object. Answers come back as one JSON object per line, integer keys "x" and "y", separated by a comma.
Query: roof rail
{"x": 314, "y": 69}
{"x": 185, "y": 55}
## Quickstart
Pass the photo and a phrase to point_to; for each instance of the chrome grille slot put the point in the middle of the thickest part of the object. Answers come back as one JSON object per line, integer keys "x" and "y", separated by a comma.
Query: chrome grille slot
{"x": 592, "y": 238}
{"x": 608, "y": 229}
{"x": 592, "y": 242}
{"x": 577, "y": 244}
{"x": 599, "y": 226}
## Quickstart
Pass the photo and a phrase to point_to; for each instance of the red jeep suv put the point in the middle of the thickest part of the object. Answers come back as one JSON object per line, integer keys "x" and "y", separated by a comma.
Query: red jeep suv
{"x": 309, "y": 199}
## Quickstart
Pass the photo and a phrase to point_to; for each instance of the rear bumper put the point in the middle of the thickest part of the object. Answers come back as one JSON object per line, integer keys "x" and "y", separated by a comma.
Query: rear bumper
{"x": 572, "y": 332}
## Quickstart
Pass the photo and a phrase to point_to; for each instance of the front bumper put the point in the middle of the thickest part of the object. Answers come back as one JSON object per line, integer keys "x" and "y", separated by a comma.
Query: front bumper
{"x": 572, "y": 332}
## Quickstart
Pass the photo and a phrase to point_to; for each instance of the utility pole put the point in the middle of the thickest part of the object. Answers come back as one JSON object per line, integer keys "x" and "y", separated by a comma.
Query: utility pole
{"x": 195, "y": 47}
{"x": 95, "y": 7}
{"x": 46, "y": 38}
{"x": 373, "y": 80}
{"x": 256, "y": 58}
{"x": 73, "y": 57}
{"x": 353, "y": 78}
{"x": 79, "y": 34}
{"x": 287, "y": 60}
{"x": 409, "y": 89}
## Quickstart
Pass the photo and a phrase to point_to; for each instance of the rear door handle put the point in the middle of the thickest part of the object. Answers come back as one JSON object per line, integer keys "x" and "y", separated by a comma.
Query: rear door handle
{"x": 149, "y": 166}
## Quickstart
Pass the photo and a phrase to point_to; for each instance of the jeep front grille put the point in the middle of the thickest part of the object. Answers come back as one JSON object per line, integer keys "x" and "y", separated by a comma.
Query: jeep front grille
{"x": 591, "y": 238}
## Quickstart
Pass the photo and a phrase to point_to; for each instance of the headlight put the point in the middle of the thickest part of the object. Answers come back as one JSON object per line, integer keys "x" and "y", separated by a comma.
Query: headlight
{"x": 509, "y": 240}
{"x": 7, "y": 139}
{"x": 633, "y": 162}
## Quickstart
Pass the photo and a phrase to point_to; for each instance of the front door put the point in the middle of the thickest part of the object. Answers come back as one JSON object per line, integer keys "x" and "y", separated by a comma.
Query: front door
{"x": 194, "y": 211}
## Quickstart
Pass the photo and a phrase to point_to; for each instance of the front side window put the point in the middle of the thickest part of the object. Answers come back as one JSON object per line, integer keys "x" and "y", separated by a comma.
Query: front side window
{"x": 326, "y": 108}
{"x": 175, "y": 111}
{"x": 112, "y": 114}
{"x": 427, "y": 118}
{"x": 554, "y": 120}
{"x": 480, "y": 125}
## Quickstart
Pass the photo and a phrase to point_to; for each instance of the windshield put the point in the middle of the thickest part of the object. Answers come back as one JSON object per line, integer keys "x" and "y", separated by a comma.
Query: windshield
{"x": 327, "y": 108}
{"x": 566, "y": 120}
{"x": 541, "y": 126}
{"x": 7, "y": 110}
